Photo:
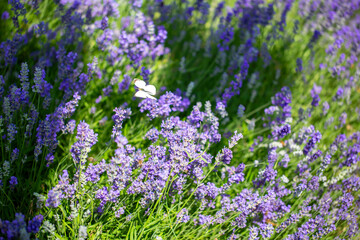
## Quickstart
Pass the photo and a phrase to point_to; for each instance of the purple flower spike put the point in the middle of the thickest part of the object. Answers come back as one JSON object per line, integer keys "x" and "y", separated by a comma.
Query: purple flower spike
{"x": 13, "y": 182}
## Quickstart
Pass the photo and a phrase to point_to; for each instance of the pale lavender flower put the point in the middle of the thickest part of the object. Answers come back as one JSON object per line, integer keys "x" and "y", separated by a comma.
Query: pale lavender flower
{"x": 82, "y": 232}
{"x": 234, "y": 139}
{"x": 241, "y": 110}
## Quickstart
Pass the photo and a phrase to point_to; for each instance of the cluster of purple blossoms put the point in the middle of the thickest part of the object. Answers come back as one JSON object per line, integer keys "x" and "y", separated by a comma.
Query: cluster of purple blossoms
{"x": 18, "y": 228}
{"x": 148, "y": 175}
{"x": 280, "y": 110}
{"x": 54, "y": 123}
{"x": 166, "y": 104}
{"x": 137, "y": 39}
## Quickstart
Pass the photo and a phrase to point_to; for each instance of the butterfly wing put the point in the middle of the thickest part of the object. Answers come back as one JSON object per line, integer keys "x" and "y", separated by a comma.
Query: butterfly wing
{"x": 142, "y": 94}
{"x": 151, "y": 89}
{"x": 139, "y": 83}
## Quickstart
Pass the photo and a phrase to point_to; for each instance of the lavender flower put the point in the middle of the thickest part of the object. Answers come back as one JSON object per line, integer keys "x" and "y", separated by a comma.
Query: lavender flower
{"x": 24, "y": 77}
{"x": 281, "y": 132}
{"x": 5, "y": 15}
{"x": 253, "y": 234}
{"x": 13, "y": 182}
{"x": 69, "y": 127}
{"x": 220, "y": 107}
{"x": 234, "y": 139}
{"x": 86, "y": 139}
{"x": 241, "y": 110}
{"x": 119, "y": 212}
{"x": 41, "y": 86}
{"x": 299, "y": 65}
{"x": 183, "y": 216}
{"x": 53, "y": 199}
{"x": 342, "y": 119}
{"x": 34, "y": 224}
{"x": 236, "y": 175}
{"x": 125, "y": 83}
{"x": 325, "y": 108}
{"x": 315, "y": 138}
{"x": 15, "y": 229}
{"x": 120, "y": 115}
{"x": 82, "y": 232}
{"x": 145, "y": 74}
{"x": 104, "y": 23}
{"x": 15, "y": 154}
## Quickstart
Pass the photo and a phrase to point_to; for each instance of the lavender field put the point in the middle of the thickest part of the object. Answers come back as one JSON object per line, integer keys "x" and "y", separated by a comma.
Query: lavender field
{"x": 180, "y": 119}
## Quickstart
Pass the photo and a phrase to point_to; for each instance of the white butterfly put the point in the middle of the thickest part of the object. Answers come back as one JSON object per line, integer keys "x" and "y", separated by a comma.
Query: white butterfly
{"x": 145, "y": 90}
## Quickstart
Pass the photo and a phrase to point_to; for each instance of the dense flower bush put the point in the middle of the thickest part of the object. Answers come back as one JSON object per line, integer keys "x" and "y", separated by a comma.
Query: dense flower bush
{"x": 254, "y": 132}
